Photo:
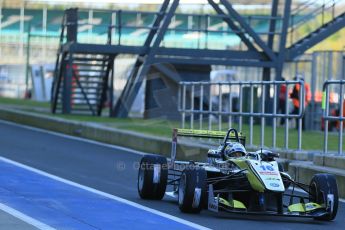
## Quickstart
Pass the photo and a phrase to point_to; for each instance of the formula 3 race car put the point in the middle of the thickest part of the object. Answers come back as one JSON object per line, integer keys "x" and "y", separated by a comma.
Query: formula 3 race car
{"x": 235, "y": 181}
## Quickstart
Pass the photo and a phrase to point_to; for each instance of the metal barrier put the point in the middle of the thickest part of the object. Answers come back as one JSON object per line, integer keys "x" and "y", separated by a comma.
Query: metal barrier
{"x": 216, "y": 99}
{"x": 336, "y": 88}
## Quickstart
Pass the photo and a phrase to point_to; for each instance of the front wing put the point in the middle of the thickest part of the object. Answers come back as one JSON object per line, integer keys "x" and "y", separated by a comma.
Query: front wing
{"x": 308, "y": 210}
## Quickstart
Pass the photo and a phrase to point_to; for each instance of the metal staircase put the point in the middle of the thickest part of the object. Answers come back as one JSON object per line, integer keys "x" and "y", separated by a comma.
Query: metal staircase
{"x": 316, "y": 36}
{"x": 327, "y": 17}
{"x": 82, "y": 81}
{"x": 143, "y": 62}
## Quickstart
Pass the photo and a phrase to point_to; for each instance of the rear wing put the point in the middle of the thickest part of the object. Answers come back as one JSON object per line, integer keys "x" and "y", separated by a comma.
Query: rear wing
{"x": 229, "y": 135}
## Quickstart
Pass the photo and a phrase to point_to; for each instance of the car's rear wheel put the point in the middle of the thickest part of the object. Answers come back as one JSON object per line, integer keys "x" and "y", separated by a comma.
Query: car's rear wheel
{"x": 152, "y": 177}
{"x": 321, "y": 187}
{"x": 192, "y": 190}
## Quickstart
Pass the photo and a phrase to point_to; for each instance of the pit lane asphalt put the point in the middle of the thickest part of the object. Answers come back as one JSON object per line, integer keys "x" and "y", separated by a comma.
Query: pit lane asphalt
{"x": 114, "y": 171}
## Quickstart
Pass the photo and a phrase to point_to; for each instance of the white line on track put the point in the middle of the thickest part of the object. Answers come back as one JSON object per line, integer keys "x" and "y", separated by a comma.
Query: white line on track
{"x": 25, "y": 218}
{"x": 75, "y": 138}
{"x": 168, "y": 216}
{"x": 119, "y": 199}
{"x": 174, "y": 218}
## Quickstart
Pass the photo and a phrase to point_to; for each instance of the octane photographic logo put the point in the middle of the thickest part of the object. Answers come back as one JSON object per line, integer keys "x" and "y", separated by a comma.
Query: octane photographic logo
{"x": 136, "y": 165}
{"x": 120, "y": 166}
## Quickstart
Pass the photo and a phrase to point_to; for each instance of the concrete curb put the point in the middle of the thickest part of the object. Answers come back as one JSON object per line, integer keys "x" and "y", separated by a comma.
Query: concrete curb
{"x": 333, "y": 161}
{"x": 298, "y": 155}
{"x": 304, "y": 172}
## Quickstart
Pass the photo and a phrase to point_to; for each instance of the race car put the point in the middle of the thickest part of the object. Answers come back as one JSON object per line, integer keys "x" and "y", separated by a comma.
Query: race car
{"x": 235, "y": 181}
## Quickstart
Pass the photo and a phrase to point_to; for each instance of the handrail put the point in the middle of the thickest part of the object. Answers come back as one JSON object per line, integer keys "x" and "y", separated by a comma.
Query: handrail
{"x": 204, "y": 29}
{"x": 202, "y": 24}
{"x": 314, "y": 12}
{"x": 325, "y": 7}
{"x": 57, "y": 73}
{"x": 305, "y": 5}
{"x": 185, "y": 14}
{"x": 62, "y": 29}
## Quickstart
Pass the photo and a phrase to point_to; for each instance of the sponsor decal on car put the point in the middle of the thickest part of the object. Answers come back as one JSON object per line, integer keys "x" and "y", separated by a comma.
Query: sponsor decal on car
{"x": 275, "y": 185}
{"x": 272, "y": 178}
{"x": 268, "y": 173}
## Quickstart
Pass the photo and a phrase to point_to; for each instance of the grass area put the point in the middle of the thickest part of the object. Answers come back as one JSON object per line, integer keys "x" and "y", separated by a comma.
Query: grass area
{"x": 311, "y": 140}
{"x": 157, "y": 127}
{"x": 24, "y": 103}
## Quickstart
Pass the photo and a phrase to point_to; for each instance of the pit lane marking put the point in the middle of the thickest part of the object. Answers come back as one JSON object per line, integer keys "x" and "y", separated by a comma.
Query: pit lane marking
{"x": 113, "y": 197}
{"x": 25, "y": 218}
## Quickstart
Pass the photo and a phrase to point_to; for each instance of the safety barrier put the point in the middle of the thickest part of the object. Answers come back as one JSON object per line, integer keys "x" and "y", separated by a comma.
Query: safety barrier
{"x": 253, "y": 99}
{"x": 336, "y": 88}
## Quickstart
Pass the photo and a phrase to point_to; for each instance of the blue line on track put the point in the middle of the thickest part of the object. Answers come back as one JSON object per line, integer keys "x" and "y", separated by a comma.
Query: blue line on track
{"x": 64, "y": 206}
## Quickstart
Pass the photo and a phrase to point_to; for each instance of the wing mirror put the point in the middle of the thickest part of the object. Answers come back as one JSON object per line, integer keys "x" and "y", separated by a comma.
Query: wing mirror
{"x": 267, "y": 155}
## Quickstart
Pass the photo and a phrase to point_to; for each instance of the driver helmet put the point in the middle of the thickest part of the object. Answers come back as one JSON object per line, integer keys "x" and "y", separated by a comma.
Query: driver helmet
{"x": 235, "y": 149}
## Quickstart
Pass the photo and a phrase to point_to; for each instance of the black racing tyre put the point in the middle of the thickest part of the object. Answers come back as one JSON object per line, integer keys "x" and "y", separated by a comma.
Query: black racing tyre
{"x": 320, "y": 186}
{"x": 152, "y": 177}
{"x": 192, "y": 190}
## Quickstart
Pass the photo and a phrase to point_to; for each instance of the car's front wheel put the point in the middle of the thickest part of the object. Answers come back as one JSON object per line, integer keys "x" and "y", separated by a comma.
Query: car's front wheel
{"x": 324, "y": 190}
{"x": 152, "y": 177}
{"x": 192, "y": 190}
